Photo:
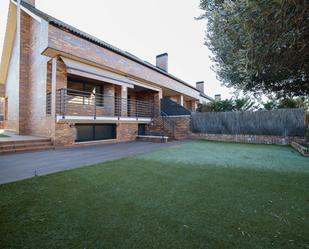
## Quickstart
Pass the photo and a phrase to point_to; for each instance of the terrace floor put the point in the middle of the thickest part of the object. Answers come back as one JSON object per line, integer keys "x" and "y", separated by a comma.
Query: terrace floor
{"x": 191, "y": 195}
{"x": 12, "y": 136}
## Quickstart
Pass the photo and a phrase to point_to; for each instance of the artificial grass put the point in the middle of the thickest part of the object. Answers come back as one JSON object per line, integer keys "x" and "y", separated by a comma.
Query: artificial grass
{"x": 150, "y": 201}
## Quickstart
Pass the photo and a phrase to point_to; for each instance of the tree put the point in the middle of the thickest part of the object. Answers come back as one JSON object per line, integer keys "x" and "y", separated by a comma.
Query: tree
{"x": 227, "y": 105}
{"x": 287, "y": 103}
{"x": 243, "y": 104}
{"x": 217, "y": 106}
{"x": 270, "y": 105}
{"x": 260, "y": 46}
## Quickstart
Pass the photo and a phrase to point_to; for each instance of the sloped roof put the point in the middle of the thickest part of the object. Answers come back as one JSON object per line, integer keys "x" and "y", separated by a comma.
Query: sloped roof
{"x": 90, "y": 38}
{"x": 206, "y": 96}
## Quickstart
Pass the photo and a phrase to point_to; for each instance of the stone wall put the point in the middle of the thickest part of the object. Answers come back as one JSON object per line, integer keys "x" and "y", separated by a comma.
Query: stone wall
{"x": 255, "y": 139}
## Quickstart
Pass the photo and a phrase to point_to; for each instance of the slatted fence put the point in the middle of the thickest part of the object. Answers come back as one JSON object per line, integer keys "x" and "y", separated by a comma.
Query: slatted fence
{"x": 281, "y": 122}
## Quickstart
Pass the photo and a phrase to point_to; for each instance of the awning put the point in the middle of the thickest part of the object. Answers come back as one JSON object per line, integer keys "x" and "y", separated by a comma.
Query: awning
{"x": 92, "y": 72}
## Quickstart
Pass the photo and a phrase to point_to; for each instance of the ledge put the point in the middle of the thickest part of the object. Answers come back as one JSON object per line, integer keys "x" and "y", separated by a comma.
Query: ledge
{"x": 90, "y": 119}
{"x": 152, "y": 138}
{"x": 301, "y": 149}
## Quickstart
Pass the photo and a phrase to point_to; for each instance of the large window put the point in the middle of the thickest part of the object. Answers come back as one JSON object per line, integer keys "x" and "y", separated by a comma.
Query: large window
{"x": 85, "y": 92}
{"x": 90, "y": 132}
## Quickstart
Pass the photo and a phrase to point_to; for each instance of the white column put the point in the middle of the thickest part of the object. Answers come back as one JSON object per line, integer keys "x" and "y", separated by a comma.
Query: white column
{"x": 181, "y": 100}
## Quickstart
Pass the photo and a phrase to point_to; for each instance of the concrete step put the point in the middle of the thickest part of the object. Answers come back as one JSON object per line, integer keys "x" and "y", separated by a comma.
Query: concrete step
{"x": 7, "y": 147}
{"x": 26, "y": 149}
{"x": 153, "y": 138}
{"x": 30, "y": 141}
{"x": 24, "y": 145}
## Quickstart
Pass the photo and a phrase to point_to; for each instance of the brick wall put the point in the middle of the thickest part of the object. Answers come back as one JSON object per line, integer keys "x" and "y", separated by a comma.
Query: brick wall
{"x": 109, "y": 100}
{"x": 183, "y": 131}
{"x": 24, "y": 77}
{"x": 181, "y": 127}
{"x": 127, "y": 131}
{"x": 64, "y": 134}
{"x": 190, "y": 104}
{"x": 255, "y": 139}
{"x": 27, "y": 94}
{"x": 61, "y": 75}
{"x": 61, "y": 40}
{"x": 37, "y": 121}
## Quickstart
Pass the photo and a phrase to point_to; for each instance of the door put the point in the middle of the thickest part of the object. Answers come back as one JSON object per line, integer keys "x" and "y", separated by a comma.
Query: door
{"x": 92, "y": 132}
{"x": 141, "y": 129}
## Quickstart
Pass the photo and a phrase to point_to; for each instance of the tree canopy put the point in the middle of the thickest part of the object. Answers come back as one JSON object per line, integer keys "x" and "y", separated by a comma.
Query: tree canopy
{"x": 287, "y": 103}
{"x": 238, "y": 104}
{"x": 247, "y": 104}
{"x": 260, "y": 46}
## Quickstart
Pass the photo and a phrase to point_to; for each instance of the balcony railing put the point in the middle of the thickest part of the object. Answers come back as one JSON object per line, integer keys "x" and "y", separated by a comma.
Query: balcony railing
{"x": 70, "y": 102}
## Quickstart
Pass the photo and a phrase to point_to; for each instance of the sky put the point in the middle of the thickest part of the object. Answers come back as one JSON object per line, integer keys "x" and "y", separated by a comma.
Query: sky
{"x": 144, "y": 28}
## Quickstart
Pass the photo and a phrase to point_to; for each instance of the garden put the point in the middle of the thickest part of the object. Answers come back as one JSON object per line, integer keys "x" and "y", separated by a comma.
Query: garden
{"x": 193, "y": 195}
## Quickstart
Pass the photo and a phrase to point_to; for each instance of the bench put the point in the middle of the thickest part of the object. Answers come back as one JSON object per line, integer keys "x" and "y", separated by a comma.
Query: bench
{"x": 152, "y": 138}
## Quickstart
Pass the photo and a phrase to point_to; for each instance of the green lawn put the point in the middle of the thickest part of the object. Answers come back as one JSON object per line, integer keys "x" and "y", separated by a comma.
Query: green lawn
{"x": 195, "y": 195}
{"x": 3, "y": 135}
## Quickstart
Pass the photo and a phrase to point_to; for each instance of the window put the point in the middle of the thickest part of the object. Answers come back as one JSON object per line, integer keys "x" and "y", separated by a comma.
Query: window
{"x": 85, "y": 92}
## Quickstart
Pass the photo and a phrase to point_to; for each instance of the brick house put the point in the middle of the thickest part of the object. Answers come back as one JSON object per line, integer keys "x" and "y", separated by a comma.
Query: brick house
{"x": 59, "y": 82}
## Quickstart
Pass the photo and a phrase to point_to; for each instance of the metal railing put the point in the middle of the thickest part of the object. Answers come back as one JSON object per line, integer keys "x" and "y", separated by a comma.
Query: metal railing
{"x": 48, "y": 103}
{"x": 82, "y": 103}
{"x": 168, "y": 123}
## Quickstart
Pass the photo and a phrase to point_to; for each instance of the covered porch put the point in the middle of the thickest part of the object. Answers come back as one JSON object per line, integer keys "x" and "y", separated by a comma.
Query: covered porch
{"x": 87, "y": 93}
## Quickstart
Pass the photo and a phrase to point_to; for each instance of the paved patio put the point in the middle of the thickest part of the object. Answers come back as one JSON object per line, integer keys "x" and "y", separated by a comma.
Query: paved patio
{"x": 12, "y": 136}
{"x": 21, "y": 166}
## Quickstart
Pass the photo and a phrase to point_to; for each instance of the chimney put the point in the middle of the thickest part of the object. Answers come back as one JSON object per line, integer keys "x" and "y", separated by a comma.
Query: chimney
{"x": 162, "y": 61}
{"x": 217, "y": 97}
{"x": 31, "y": 2}
{"x": 200, "y": 86}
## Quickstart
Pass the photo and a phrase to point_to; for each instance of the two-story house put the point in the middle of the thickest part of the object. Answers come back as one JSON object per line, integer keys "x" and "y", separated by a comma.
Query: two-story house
{"x": 59, "y": 82}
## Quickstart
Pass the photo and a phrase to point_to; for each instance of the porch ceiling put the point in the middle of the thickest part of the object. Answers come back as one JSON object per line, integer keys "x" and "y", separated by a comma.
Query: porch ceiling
{"x": 84, "y": 70}
{"x": 169, "y": 93}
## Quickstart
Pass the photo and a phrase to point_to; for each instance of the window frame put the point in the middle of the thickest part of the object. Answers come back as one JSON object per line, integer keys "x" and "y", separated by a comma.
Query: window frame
{"x": 85, "y": 93}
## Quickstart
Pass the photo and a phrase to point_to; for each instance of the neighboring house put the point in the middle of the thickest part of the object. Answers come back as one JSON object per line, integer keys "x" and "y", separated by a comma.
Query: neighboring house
{"x": 62, "y": 83}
